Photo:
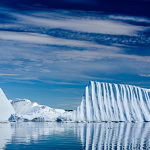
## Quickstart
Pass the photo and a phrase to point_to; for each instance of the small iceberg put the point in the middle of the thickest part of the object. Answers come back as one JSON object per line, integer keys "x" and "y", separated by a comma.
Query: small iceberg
{"x": 31, "y": 111}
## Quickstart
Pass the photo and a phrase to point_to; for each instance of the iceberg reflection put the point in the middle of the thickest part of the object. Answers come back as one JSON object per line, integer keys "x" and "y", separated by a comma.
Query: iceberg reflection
{"x": 115, "y": 135}
{"x": 88, "y": 136}
{"x": 5, "y": 134}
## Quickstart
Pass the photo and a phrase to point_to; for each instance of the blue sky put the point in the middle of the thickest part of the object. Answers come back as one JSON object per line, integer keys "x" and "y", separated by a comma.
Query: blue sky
{"x": 48, "y": 54}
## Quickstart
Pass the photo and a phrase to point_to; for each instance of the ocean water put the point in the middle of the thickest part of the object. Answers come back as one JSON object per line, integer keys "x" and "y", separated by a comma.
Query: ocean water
{"x": 54, "y": 135}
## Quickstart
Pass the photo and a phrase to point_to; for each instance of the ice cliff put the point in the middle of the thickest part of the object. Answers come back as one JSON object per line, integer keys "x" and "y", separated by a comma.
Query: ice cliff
{"x": 6, "y": 109}
{"x": 113, "y": 102}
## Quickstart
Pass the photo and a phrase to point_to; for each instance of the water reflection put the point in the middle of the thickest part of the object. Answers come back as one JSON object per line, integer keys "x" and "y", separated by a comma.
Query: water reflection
{"x": 5, "y": 134}
{"x": 36, "y": 135}
{"x": 115, "y": 136}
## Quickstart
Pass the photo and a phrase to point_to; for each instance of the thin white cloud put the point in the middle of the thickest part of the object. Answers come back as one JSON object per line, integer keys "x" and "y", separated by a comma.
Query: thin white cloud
{"x": 129, "y": 18}
{"x": 37, "y": 38}
{"x": 145, "y": 75}
{"x": 6, "y": 74}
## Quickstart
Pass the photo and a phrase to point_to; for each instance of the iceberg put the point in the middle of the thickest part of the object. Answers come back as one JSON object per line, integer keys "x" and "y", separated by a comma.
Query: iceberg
{"x": 6, "y": 109}
{"x": 113, "y": 102}
{"x": 31, "y": 111}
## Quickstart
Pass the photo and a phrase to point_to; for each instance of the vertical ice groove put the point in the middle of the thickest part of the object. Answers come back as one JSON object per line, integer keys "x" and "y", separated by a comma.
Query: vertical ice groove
{"x": 95, "y": 103}
{"x": 125, "y": 114}
{"x": 98, "y": 101}
{"x": 144, "y": 108}
{"x": 119, "y": 103}
{"x": 132, "y": 104}
{"x": 88, "y": 106}
{"x": 137, "y": 110}
{"x": 101, "y": 103}
{"x": 147, "y": 99}
{"x": 109, "y": 103}
{"x": 106, "y": 102}
{"x": 140, "y": 114}
{"x": 113, "y": 102}
{"x": 82, "y": 110}
{"x": 91, "y": 101}
{"x": 125, "y": 101}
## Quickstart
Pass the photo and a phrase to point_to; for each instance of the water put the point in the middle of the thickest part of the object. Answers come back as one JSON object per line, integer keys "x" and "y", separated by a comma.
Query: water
{"x": 53, "y": 135}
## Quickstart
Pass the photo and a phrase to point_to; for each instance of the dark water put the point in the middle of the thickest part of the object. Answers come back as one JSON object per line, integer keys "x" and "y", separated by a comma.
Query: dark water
{"x": 47, "y": 135}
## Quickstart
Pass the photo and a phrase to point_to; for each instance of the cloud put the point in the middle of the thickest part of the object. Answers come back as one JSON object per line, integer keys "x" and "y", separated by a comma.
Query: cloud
{"x": 37, "y": 38}
{"x": 129, "y": 18}
{"x": 80, "y": 24}
{"x": 145, "y": 75}
{"x": 71, "y": 20}
{"x": 71, "y": 47}
{"x": 5, "y": 74}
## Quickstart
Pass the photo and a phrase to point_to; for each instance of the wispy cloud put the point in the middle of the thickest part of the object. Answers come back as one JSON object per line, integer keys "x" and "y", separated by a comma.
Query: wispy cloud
{"x": 5, "y": 74}
{"x": 129, "y": 18}
{"x": 89, "y": 24}
{"x": 43, "y": 39}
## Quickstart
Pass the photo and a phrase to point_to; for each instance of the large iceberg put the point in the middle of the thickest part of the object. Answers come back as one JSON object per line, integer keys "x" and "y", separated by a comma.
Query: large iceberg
{"x": 113, "y": 102}
{"x": 6, "y": 109}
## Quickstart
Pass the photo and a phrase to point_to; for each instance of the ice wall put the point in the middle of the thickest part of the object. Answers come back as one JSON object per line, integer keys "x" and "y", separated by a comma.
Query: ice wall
{"x": 6, "y": 108}
{"x": 113, "y": 102}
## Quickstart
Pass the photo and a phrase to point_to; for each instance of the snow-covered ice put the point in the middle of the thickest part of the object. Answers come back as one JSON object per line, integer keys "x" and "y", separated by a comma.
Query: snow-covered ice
{"x": 6, "y": 109}
{"x": 113, "y": 102}
{"x": 31, "y": 111}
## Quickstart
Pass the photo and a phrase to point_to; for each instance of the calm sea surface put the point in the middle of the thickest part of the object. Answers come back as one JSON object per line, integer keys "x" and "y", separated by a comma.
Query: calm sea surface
{"x": 53, "y": 135}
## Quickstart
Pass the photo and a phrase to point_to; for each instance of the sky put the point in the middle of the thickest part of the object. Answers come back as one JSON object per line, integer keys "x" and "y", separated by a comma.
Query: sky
{"x": 50, "y": 50}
